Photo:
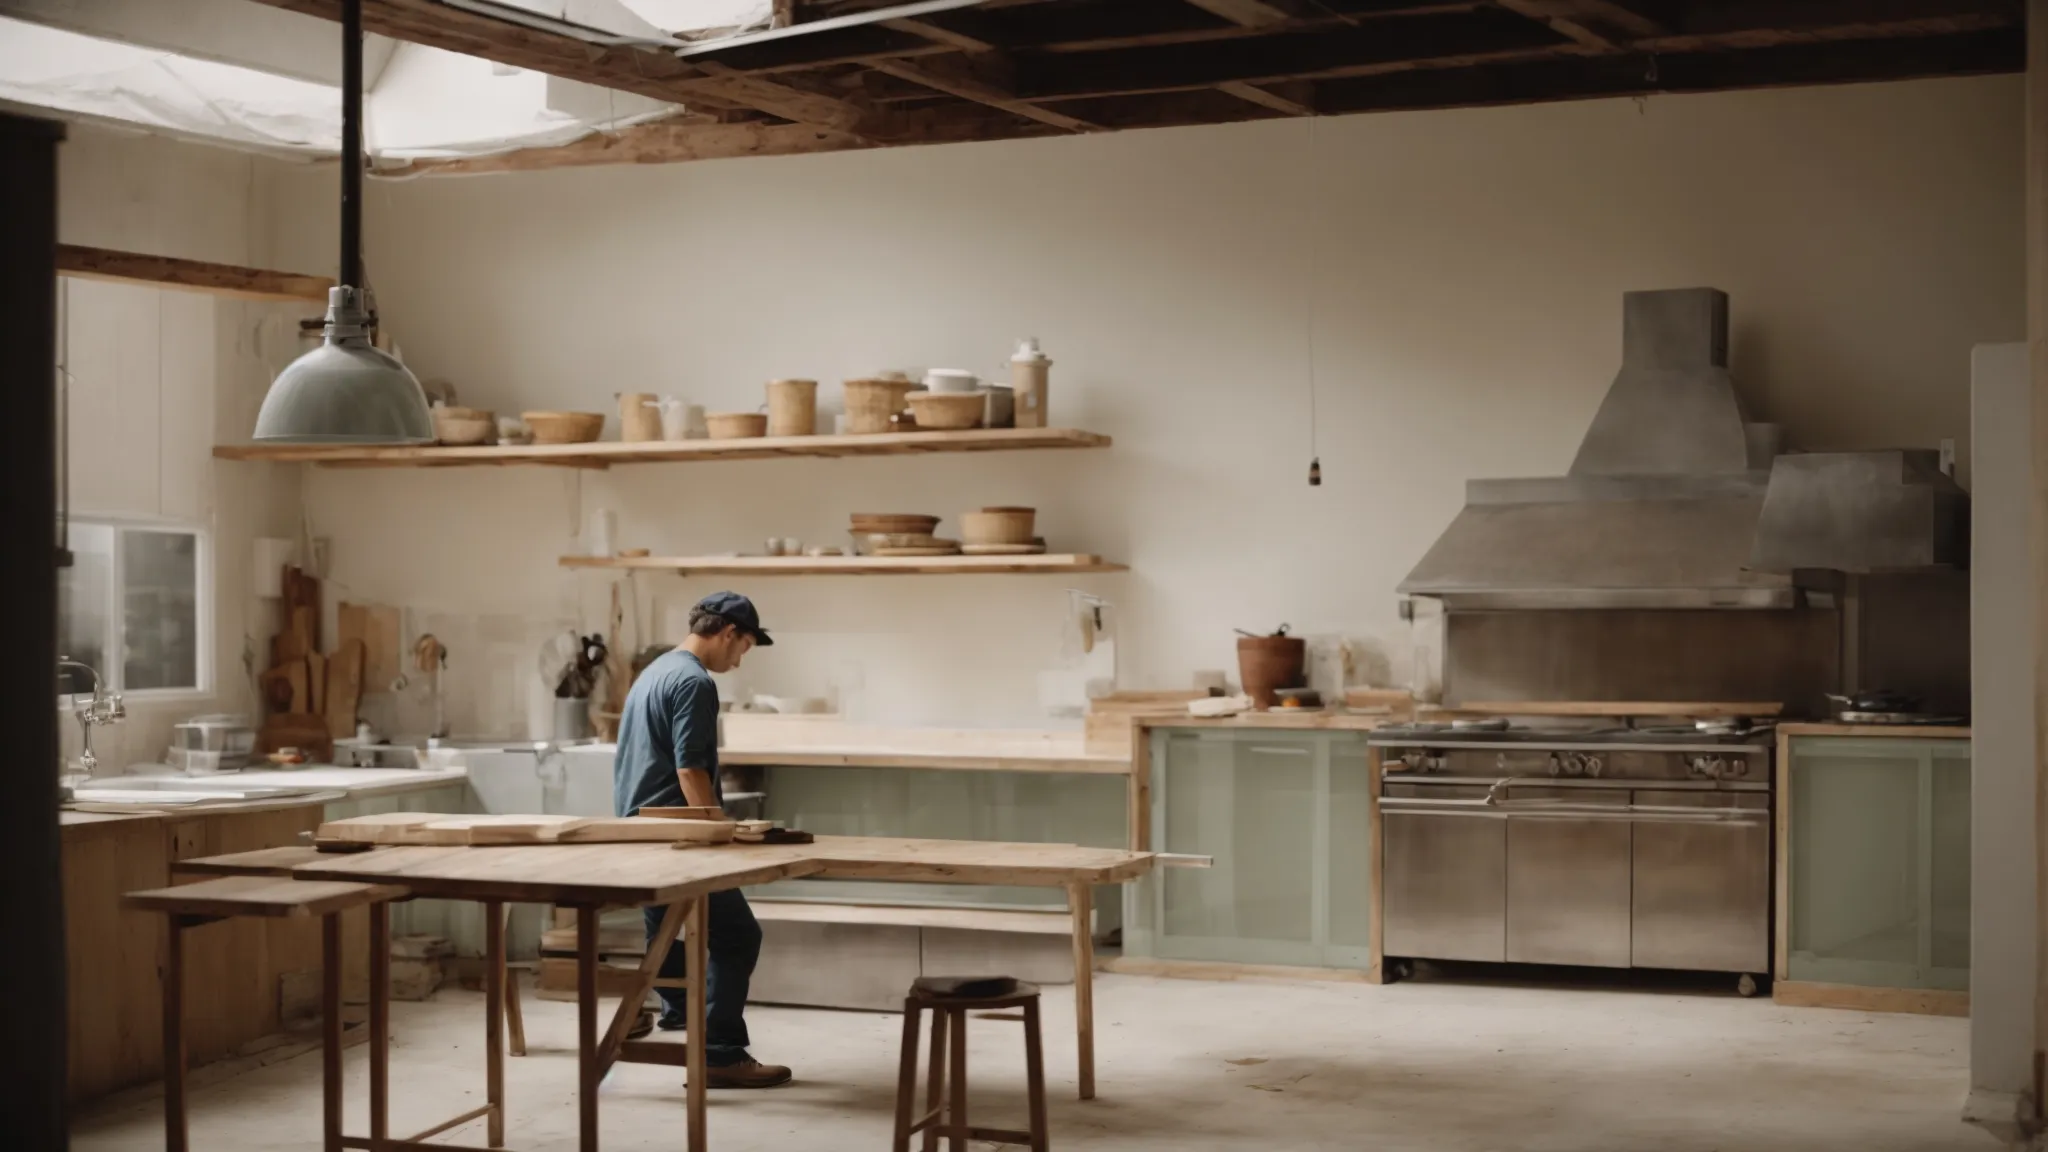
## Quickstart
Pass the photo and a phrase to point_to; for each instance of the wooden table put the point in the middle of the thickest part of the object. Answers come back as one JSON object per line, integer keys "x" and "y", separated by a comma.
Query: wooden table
{"x": 590, "y": 877}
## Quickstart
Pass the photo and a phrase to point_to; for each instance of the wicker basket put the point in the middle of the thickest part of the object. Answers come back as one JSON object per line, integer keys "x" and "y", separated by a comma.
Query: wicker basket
{"x": 873, "y": 405}
{"x": 948, "y": 411}
{"x": 792, "y": 407}
{"x": 997, "y": 526}
{"x": 564, "y": 427}
{"x": 737, "y": 425}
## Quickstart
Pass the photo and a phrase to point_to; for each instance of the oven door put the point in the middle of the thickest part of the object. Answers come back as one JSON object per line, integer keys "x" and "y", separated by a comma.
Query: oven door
{"x": 1702, "y": 895}
{"x": 1568, "y": 876}
{"x": 1444, "y": 887}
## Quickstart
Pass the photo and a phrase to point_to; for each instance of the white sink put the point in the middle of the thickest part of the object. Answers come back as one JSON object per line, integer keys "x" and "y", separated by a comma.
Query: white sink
{"x": 176, "y": 790}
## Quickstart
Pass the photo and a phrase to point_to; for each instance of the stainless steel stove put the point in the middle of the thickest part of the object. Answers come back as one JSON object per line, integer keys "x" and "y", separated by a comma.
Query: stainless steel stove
{"x": 1644, "y": 847}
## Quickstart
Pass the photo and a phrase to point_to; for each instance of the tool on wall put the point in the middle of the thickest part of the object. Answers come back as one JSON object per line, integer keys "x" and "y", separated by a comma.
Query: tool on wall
{"x": 430, "y": 657}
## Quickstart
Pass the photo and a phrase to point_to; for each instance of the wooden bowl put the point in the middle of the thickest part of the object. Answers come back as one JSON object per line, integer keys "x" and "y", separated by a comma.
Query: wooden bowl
{"x": 997, "y": 526}
{"x": 906, "y": 522}
{"x": 465, "y": 426}
{"x": 948, "y": 411}
{"x": 564, "y": 427}
{"x": 737, "y": 425}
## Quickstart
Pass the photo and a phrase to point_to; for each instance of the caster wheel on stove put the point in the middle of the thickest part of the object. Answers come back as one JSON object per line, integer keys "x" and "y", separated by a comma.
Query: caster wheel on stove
{"x": 1745, "y": 985}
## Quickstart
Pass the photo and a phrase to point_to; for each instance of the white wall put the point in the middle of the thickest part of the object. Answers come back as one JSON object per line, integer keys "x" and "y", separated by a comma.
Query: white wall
{"x": 158, "y": 377}
{"x": 1463, "y": 271}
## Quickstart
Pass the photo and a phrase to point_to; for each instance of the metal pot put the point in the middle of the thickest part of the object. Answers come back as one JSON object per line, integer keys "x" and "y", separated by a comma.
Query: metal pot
{"x": 1875, "y": 700}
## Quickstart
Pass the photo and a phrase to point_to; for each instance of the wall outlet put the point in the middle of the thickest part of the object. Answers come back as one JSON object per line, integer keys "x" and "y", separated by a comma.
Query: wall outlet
{"x": 1406, "y": 608}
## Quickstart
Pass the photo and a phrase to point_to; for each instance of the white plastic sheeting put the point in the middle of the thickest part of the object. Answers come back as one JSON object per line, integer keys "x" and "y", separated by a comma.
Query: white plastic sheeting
{"x": 424, "y": 104}
{"x": 47, "y": 68}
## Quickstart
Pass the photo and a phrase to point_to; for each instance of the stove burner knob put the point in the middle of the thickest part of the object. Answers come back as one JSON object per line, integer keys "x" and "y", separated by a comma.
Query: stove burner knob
{"x": 1574, "y": 764}
{"x": 1696, "y": 766}
{"x": 1593, "y": 766}
{"x": 1739, "y": 766}
{"x": 1555, "y": 767}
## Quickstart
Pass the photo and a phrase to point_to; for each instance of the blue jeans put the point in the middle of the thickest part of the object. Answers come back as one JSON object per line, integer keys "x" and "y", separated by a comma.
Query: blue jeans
{"x": 734, "y": 945}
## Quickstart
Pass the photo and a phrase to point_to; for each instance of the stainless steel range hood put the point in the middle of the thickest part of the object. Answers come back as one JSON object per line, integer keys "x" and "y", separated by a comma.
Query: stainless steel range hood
{"x": 1661, "y": 505}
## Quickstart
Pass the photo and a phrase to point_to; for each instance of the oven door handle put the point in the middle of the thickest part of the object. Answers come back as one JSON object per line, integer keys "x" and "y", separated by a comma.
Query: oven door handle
{"x": 1570, "y": 810}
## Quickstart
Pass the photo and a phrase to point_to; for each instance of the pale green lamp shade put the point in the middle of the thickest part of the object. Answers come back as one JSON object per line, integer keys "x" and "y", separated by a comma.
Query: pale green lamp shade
{"x": 345, "y": 393}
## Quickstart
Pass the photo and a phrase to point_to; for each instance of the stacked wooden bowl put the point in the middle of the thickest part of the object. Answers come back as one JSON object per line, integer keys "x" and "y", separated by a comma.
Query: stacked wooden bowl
{"x": 900, "y": 534}
{"x": 1000, "y": 532}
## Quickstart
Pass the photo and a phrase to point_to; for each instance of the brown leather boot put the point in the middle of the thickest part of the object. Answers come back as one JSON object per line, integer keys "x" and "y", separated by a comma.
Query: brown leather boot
{"x": 748, "y": 1073}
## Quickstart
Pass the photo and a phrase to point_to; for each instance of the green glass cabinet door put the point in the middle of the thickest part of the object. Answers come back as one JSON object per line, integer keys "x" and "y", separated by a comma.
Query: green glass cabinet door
{"x": 1879, "y": 852}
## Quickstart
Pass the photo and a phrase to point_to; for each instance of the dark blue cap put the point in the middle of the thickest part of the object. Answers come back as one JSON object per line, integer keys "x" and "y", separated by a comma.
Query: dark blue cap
{"x": 740, "y": 611}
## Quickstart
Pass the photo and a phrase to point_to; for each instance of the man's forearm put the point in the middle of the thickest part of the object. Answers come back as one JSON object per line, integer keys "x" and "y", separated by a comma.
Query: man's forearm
{"x": 697, "y": 789}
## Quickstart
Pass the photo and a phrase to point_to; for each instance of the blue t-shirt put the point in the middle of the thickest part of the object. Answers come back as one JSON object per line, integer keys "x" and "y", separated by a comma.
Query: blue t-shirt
{"x": 670, "y": 721}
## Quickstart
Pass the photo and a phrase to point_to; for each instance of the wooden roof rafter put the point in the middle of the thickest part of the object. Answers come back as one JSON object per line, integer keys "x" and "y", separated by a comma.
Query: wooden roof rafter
{"x": 876, "y": 76}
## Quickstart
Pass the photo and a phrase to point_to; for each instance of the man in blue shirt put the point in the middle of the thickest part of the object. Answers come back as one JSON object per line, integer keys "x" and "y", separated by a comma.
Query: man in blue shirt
{"x": 668, "y": 757}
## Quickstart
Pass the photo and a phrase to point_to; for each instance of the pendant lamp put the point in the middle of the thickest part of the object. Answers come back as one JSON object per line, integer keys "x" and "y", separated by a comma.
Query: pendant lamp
{"x": 345, "y": 391}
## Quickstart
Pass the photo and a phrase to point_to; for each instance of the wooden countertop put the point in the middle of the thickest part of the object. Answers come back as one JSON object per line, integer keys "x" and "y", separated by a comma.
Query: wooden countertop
{"x": 829, "y": 742}
{"x": 1905, "y": 731}
{"x": 1306, "y": 719}
{"x": 1076, "y": 760}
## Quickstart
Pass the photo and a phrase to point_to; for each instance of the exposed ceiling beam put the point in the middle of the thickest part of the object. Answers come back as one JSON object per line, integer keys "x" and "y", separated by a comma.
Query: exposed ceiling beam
{"x": 1294, "y": 97}
{"x": 1562, "y": 19}
{"x": 1284, "y": 55}
{"x": 937, "y": 34}
{"x": 643, "y": 70}
{"x": 1245, "y": 13}
{"x": 658, "y": 143}
{"x": 1582, "y": 77}
{"x": 981, "y": 81}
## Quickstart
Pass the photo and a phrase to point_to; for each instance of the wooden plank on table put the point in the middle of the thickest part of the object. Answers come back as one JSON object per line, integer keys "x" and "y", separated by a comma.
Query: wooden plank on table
{"x": 596, "y": 874}
{"x": 1702, "y": 709}
{"x": 632, "y": 829}
{"x": 260, "y": 896}
{"x": 972, "y": 861}
{"x": 81, "y": 262}
{"x": 1053, "y": 922}
{"x": 260, "y": 862}
{"x": 1219, "y": 970}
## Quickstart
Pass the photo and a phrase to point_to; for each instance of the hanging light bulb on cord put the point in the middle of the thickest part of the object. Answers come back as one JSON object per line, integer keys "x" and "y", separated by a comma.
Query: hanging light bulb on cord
{"x": 1315, "y": 459}
{"x": 346, "y": 391}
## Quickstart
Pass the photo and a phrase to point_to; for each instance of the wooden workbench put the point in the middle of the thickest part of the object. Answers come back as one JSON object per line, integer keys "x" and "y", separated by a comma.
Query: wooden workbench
{"x": 589, "y": 877}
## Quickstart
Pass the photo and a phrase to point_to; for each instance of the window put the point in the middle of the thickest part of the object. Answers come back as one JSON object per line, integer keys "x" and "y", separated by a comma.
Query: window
{"x": 134, "y": 606}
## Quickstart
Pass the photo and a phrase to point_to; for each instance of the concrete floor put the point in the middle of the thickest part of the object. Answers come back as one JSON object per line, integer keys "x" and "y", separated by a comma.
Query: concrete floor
{"x": 1198, "y": 1065}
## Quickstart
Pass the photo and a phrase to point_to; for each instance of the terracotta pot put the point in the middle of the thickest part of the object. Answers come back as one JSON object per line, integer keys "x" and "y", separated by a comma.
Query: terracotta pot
{"x": 1266, "y": 663}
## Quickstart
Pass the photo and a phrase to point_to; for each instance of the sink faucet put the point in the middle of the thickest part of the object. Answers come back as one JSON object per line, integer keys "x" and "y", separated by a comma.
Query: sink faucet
{"x": 104, "y": 708}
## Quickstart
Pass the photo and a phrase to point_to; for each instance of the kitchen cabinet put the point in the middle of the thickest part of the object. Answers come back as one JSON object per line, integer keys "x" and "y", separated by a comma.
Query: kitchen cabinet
{"x": 1874, "y": 862}
{"x": 1287, "y": 817}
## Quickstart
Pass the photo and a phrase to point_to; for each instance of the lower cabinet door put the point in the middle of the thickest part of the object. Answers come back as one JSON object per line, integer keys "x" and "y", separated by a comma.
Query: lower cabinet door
{"x": 1444, "y": 882}
{"x": 1703, "y": 891}
{"x": 1568, "y": 891}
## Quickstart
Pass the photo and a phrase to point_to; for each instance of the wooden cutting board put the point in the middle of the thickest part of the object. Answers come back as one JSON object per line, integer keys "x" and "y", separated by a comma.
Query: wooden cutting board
{"x": 693, "y": 813}
{"x": 344, "y": 689}
{"x": 316, "y": 682}
{"x": 376, "y": 625}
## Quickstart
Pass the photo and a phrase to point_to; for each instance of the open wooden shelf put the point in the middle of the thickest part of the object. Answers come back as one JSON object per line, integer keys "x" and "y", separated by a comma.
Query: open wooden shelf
{"x": 192, "y": 275}
{"x": 605, "y": 453}
{"x": 1049, "y": 564}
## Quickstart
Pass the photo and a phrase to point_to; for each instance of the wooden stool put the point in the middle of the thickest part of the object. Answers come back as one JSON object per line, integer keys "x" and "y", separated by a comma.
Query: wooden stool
{"x": 190, "y": 905}
{"x": 946, "y": 1091}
